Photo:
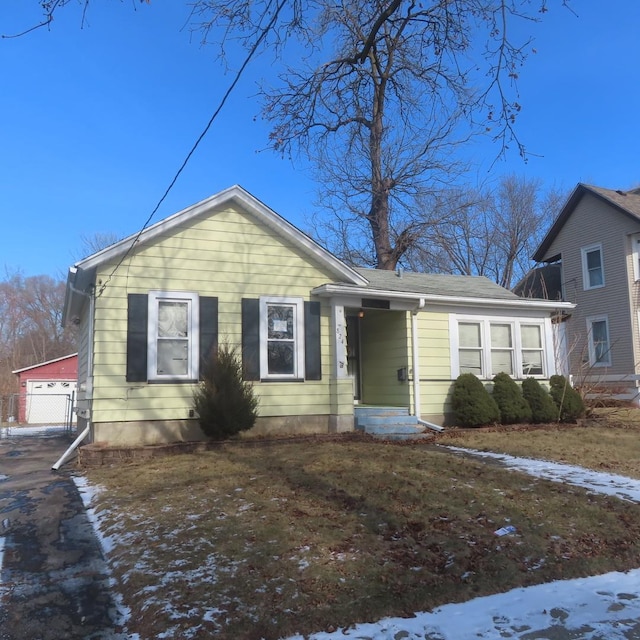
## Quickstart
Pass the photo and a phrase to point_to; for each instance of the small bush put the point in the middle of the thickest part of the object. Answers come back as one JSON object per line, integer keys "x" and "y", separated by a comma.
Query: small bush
{"x": 472, "y": 403}
{"x": 224, "y": 402}
{"x": 567, "y": 399}
{"x": 543, "y": 408}
{"x": 508, "y": 396}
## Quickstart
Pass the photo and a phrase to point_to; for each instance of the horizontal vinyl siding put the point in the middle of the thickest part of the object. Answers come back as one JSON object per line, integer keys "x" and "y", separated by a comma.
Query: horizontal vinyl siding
{"x": 227, "y": 255}
{"x": 435, "y": 398}
{"x": 385, "y": 349}
{"x": 435, "y": 354}
{"x": 595, "y": 222}
{"x": 435, "y": 363}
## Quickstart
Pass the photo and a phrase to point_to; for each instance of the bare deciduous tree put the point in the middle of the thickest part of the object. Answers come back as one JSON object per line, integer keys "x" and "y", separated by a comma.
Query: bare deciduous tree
{"x": 96, "y": 242}
{"x": 379, "y": 95}
{"x": 487, "y": 232}
{"x": 381, "y": 98}
{"x": 30, "y": 325}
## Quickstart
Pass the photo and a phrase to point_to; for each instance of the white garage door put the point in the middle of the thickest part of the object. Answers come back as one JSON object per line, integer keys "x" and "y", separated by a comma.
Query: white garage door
{"x": 48, "y": 401}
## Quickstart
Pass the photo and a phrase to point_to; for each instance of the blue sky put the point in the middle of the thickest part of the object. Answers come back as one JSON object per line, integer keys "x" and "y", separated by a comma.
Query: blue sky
{"x": 95, "y": 121}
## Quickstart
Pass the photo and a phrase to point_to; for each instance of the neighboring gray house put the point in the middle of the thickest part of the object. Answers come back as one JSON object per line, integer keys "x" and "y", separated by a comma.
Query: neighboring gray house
{"x": 596, "y": 242}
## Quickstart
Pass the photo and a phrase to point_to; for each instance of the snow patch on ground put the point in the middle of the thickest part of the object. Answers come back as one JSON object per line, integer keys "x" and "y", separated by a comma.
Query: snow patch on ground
{"x": 607, "y": 483}
{"x": 41, "y": 430}
{"x": 606, "y": 606}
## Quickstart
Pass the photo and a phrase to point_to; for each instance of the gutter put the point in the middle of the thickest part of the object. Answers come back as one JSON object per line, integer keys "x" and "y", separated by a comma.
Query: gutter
{"x": 327, "y": 290}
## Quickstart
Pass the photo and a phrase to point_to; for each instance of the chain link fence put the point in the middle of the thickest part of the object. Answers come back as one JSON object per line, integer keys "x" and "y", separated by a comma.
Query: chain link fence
{"x": 22, "y": 409}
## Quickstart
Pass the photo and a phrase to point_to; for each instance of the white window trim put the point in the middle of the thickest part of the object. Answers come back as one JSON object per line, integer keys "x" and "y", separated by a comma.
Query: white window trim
{"x": 152, "y": 333}
{"x": 592, "y": 349}
{"x": 298, "y": 372}
{"x": 635, "y": 255}
{"x": 585, "y": 272}
{"x": 486, "y": 322}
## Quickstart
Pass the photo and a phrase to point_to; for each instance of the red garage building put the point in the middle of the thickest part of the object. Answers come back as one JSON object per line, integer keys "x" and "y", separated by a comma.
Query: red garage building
{"x": 47, "y": 391}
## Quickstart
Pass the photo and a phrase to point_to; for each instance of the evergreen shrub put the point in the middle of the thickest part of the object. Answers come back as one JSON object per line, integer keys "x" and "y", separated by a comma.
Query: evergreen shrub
{"x": 472, "y": 403}
{"x": 508, "y": 396}
{"x": 543, "y": 408}
{"x": 568, "y": 400}
{"x": 224, "y": 402}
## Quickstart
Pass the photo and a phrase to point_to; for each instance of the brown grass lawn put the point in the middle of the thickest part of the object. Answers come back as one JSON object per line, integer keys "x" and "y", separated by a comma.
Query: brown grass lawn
{"x": 609, "y": 441}
{"x": 262, "y": 542}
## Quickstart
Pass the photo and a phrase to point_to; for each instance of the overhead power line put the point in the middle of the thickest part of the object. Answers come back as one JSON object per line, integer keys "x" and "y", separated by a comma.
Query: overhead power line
{"x": 250, "y": 54}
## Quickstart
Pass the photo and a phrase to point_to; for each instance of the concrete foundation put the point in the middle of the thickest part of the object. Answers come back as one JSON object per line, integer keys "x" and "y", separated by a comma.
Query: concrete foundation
{"x": 135, "y": 434}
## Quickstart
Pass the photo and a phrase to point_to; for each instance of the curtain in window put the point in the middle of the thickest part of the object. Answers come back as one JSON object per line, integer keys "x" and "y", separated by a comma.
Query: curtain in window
{"x": 594, "y": 268}
{"x": 173, "y": 341}
{"x": 281, "y": 339}
{"x": 600, "y": 340}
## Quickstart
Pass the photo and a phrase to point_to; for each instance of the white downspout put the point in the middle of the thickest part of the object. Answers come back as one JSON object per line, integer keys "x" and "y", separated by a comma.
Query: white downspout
{"x": 416, "y": 368}
{"x": 76, "y": 443}
{"x": 415, "y": 356}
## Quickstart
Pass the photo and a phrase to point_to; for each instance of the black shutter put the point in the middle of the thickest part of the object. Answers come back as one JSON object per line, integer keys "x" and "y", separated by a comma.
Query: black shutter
{"x": 137, "y": 311}
{"x": 208, "y": 329}
{"x": 251, "y": 338}
{"x": 312, "y": 357}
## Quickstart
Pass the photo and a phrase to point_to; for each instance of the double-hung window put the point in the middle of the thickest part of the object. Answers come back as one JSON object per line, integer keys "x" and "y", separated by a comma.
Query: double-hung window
{"x": 599, "y": 345}
{"x": 173, "y": 336}
{"x": 488, "y": 346}
{"x": 592, "y": 267}
{"x": 470, "y": 348}
{"x": 281, "y": 338}
{"x": 501, "y": 348}
{"x": 635, "y": 253}
{"x": 532, "y": 349}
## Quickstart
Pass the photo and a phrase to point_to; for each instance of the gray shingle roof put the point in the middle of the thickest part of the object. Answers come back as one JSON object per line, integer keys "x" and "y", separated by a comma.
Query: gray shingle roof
{"x": 436, "y": 284}
{"x": 626, "y": 202}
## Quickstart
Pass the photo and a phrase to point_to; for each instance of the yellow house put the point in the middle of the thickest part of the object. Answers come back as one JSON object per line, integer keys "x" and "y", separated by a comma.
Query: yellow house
{"x": 317, "y": 336}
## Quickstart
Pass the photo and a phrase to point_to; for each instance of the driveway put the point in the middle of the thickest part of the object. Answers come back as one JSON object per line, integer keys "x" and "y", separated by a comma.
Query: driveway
{"x": 53, "y": 578}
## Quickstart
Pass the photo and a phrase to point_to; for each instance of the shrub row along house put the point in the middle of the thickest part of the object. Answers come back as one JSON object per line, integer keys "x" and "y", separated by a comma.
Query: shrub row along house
{"x": 316, "y": 335}
{"x": 591, "y": 257}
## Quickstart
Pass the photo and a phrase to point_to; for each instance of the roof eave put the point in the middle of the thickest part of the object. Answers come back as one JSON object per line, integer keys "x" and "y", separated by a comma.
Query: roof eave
{"x": 248, "y": 202}
{"x": 43, "y": 364}
{"x": 79, "y": 283}
{"x": 567, "y": 210}
{"x": 330, "y": 290}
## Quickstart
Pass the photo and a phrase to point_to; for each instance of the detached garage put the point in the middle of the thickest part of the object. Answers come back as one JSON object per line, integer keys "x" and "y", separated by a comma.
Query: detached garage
{"x": 47, "y": 391}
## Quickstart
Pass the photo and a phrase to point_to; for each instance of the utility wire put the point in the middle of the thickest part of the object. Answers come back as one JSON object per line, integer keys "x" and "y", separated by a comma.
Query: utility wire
{"x": 235, "y": 81}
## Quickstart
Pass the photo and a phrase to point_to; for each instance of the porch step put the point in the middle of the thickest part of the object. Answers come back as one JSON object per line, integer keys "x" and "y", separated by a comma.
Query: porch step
{"x": 389, "y": 423}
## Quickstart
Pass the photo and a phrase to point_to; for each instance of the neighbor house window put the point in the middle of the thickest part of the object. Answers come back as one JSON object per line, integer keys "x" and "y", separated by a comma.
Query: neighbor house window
{"x": 592, "y": 267}
{"x": 599, "y": 345}
{"x": 173, "y": 336}
{"x": 488, "y": 346}
{"x": 281, "y": 338}
{"x": 635, "y": 252}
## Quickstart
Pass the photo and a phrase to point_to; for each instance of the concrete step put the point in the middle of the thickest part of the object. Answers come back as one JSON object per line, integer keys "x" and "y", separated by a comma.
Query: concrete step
{"x": 380, "y": 420}
{"x": 362, "y": 410}
{"x": 382, "y": 429}
{"x": 369, "y": 415}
